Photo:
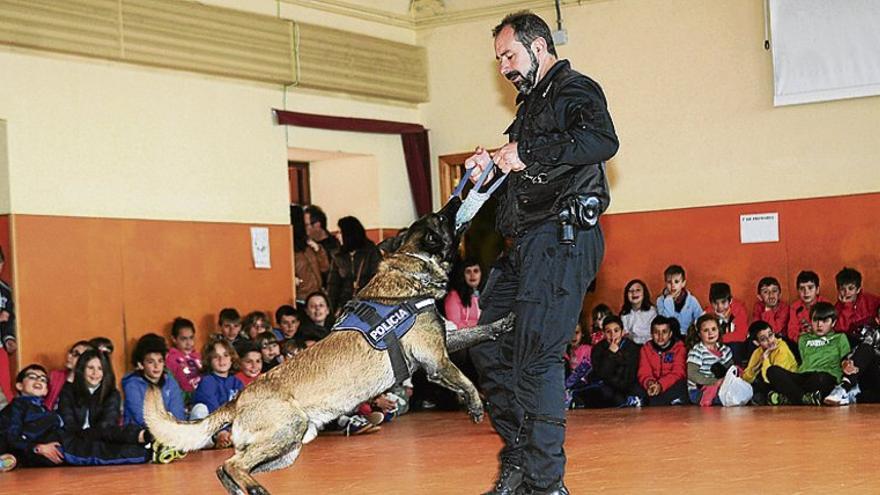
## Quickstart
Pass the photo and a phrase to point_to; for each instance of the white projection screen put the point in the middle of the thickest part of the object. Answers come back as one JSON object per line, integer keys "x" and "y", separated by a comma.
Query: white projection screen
{"x": 824, "y": 49}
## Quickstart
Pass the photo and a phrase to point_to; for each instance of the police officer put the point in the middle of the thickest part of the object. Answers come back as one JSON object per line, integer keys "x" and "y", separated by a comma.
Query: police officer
{"x": 548, "y": 207}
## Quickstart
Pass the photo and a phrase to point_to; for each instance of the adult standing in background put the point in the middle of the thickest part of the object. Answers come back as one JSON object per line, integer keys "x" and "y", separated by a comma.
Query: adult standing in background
{"x": 353, "y": 266}
{"x": 548, "y": 208}
{"x": 310, "y": 260}
{"x": 316, "y": 228}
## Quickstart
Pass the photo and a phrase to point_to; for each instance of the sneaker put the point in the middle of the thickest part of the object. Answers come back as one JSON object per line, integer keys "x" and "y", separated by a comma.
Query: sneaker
{"x": 164, "y": 454}
{"x": 853, "y": 394}
{"x": 777, "y": 399}
{"x": 632, "y": 401}
{"x": 812, "y": 399}
{"x": 838, "y": 397}
{"x": 355, "y": 425}
{"x": 7, "y": 462}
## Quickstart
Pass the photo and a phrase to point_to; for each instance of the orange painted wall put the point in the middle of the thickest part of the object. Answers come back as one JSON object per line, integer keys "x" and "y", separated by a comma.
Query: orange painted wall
{"x": 822, "y": 235}
{"x": 84, "y": 277}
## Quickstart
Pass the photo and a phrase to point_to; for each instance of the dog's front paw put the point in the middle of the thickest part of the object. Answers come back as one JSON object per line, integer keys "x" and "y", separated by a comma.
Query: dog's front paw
{"x": 476, "y": 415}
{"x": 504, "y": 325}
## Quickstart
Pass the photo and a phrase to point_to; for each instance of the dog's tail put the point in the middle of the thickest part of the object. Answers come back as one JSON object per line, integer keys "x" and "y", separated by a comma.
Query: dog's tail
{"x": 183, "y": 435}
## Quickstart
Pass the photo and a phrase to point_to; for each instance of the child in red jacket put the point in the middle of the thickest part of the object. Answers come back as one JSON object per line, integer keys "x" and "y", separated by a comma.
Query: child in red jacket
{"x": 733, "y": 320}
{"x": 662, "y": 371}
{"x": 770, "y": 307}
{"x": 855, "y": 308}
{"x": 799, "y": 322}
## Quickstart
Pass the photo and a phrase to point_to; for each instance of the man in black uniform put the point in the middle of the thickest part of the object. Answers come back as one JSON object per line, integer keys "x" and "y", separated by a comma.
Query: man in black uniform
{"x": 548, "y": 206}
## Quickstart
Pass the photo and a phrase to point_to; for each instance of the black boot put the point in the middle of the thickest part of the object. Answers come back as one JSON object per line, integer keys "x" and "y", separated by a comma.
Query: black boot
{"x": 509, "y": 480}
{"x": 557, "y": 488}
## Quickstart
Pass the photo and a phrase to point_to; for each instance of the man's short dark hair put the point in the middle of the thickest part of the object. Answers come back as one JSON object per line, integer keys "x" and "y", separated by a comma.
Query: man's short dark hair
{"x": 527, "y": 27}
{"x": 848, "y": 276}
{"x": 806, "y": 277}
{"x": 316, "y": 215}
{"x": 719, "y": 291}
{"x": 823, "y": 311}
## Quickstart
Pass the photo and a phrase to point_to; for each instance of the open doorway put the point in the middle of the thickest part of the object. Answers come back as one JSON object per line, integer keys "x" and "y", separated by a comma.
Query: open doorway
{"x": 298, "y": 178}
{"x": 481, "y": 241}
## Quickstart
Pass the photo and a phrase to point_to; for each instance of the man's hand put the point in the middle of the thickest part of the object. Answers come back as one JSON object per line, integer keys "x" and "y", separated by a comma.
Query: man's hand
{"x": 507, "y": 158}
{"x": 477, "y": 163}
{"x": 312, "y": 244}
{"x": 50, "y": 451}
{"x": 223, "y": 440}
{"x": 848, "y": 366}
{"x": 654, "y": 388}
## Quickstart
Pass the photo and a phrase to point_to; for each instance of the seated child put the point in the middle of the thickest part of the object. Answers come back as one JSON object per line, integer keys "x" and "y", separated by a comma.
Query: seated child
{"x": 230, "y": 324}
{"x": 615, "y": 363}
{"x": 8, "y": 342}
{"x": 770, "y": 307}
{"x": 577, "y": 368}
{"x": 598, "y": 315}
{"x": 251, "y": 364}
{"x": 733, "y": 319}
{"x": 707, "y": 361}
{"x": 57, "y": 378}
{"x": 769, "y": 351}
{"x": 288, "y": 319}
{"x": 90, "y": 408}
{"x": 637, "y": 312}
{"x": 662, "y": 366}
{"x": 102, "y": 344}
{"x": 254, "y": 323}
{"x": 861, "y": 369}
{"x": 32, "y": 433}
{"x": 149, "y": 360}
{"x": 218, "y": 385}
{"x": 855, "y": 307}
{"x": 799, "y": 314}
{"x": 821, "y": 354}
{"x": 183, "y": 360}
{"x": 270, "y": 350}
{"x": 676, "y": 302}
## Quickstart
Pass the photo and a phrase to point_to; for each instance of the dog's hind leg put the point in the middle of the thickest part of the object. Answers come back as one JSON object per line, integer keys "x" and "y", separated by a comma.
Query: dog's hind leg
{"x": 463, "y": 338}
{"x": 447, "y": 375}
{"x": 267, "y": 437}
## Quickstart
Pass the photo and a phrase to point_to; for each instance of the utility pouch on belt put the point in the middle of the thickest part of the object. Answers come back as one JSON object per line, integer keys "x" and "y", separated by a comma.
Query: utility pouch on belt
{"x": 580, "y": 211}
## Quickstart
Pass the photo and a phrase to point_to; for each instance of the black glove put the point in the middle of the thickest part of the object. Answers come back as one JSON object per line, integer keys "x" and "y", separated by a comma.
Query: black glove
{"x": 719, "y": 370}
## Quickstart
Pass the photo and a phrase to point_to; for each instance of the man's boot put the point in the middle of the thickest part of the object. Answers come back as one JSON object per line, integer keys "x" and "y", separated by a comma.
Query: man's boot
{"x": 509, "y": 480}
{"x": 557, "y": 488}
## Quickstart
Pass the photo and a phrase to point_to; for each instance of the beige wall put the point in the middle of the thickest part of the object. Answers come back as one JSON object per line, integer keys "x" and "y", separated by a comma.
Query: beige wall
{"x": 690, "y": 88}
{"x": 111, "y": 140}
{"x": 4, "y": 171}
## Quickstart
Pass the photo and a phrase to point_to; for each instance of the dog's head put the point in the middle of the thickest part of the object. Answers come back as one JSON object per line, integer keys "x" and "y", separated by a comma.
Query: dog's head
{"x": 433, "y": 235}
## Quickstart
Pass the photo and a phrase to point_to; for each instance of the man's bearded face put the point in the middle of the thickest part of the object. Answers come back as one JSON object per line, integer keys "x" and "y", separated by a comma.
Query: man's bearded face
{"x": 525, "y": 83}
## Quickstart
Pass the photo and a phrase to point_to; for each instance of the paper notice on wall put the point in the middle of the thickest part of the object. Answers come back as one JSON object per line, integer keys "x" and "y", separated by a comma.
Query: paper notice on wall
{"x": 260, "y": 247}
{"x": 759, "y": 227}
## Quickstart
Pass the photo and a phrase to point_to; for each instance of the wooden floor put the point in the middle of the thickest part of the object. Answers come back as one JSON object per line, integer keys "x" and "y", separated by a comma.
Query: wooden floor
{"x": 784, "y": 450}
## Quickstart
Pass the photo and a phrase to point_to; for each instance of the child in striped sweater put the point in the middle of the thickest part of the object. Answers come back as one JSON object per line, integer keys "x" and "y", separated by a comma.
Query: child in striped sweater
{"x": 707, "y": 362}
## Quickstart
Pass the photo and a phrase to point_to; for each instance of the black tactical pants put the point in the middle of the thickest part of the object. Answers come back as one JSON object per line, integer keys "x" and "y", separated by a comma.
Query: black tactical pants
{"x": 522, "y": 373}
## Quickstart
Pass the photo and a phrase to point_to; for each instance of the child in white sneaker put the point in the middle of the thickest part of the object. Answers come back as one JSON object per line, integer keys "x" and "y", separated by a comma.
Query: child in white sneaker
{"x": 861, "y": 369}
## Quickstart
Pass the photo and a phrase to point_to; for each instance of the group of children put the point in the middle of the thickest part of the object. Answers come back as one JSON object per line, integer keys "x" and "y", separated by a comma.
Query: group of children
{"x": 76, "y": 415}
{"x": 678, "y": 352}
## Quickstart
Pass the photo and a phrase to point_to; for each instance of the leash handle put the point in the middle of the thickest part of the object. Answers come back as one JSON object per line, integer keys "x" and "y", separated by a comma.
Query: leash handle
{"x": 482, "y": 179}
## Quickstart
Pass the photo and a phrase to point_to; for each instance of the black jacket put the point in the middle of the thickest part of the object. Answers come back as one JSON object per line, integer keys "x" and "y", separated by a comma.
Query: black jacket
{"x": 563, "y": 132}
{"x": 103, "y": 416}
{"x": 618, "y": 369}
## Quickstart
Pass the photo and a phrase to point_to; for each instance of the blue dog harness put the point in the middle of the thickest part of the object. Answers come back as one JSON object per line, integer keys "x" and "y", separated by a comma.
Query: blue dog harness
{"x": 383, "y": 326}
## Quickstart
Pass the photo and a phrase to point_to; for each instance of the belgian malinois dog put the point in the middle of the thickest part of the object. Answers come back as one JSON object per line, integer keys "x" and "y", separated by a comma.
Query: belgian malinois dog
{"x": 271, "y": 416}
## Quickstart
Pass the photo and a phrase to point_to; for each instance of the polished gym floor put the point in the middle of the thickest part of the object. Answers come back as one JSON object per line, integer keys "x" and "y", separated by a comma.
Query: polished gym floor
{"x": 783, "y": 450}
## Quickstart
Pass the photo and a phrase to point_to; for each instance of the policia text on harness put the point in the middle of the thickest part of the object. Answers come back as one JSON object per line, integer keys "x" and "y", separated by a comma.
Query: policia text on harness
{"x": 383, "y": 326}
